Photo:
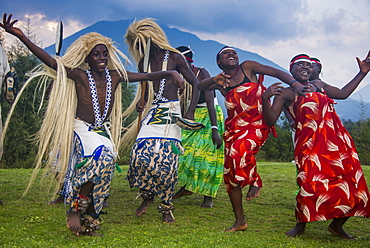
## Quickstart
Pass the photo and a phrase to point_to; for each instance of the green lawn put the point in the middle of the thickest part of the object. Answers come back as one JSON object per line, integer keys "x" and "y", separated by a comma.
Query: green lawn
{"x": 30, "y": 222}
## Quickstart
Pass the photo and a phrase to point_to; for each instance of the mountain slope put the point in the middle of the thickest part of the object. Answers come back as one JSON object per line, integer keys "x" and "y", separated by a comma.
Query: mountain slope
{"x": 204, "y": 51}
{"x": 204, "y": 55}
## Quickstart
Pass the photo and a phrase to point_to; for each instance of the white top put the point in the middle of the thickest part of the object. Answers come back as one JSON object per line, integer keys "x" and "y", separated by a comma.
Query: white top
{"x": 4, "y": 64}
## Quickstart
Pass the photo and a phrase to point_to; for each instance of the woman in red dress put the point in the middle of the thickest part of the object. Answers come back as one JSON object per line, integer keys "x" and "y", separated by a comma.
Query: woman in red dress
{"x": 245, "y": 128}
{"x": 332, "y": 184}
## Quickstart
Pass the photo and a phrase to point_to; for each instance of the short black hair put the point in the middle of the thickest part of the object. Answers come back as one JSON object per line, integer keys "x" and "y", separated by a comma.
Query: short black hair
{"x": 219, "y": 52}
{"x": 189, "y": 52}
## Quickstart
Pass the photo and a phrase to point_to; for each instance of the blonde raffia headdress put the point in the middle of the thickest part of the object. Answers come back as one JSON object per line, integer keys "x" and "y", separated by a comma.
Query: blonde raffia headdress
{"x": 138, "y": 34}
{"x": 55, "y": 137}
{"x": 136, "y": 37}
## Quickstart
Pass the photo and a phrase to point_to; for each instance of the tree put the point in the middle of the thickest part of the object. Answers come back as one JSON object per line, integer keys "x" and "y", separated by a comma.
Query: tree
{"x": 278, "y": 148}
{"x": 20, "y": 57}
{"x": 360, "y": 132}
{"x": 2, "y": 37}
{"x": 128, "y": 95}
{"x": 18, "y": 149}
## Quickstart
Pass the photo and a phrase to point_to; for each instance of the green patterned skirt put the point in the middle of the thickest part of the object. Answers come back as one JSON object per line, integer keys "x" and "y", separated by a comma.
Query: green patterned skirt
{"x": 201, "y": 166}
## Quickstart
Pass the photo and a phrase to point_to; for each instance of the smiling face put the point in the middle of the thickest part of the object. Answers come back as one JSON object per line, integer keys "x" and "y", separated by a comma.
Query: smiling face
{"x": 301, "y": 71}
{"x": 98, "y": 58}
{"x": 227, "y": 58}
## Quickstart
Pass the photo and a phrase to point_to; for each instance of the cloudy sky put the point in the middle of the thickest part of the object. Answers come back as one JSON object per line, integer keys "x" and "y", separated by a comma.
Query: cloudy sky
{"x": 335, "y": 31}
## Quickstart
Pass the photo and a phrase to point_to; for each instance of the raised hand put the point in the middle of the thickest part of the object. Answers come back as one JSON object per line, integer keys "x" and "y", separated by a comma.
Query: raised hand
{"x": 222, "y": 80}
{"x": 364, "y": 65}
{"x": 8, "y": 25}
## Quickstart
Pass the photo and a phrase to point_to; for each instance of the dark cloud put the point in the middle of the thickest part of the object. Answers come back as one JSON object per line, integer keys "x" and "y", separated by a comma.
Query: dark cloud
{"x": 331, "y": 21}
{"x": 258, "y": 20}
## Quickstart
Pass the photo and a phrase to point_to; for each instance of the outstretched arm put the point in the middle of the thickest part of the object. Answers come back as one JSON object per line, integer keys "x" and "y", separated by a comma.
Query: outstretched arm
{"x": 144, "y": 77}
{"x": 273, "y": 72}
{"x": 347, "y": 90}
{"x": 219, "y": 82}
{"x": 8, "y": 25}
{"x": 135, "y": 77}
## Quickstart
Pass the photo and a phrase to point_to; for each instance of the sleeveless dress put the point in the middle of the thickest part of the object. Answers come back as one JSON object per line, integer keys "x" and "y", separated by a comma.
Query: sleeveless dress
{"x": 246, "y": 131}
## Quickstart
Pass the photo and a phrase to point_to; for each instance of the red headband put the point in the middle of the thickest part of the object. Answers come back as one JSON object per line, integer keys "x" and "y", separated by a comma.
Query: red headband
{"x": 317, "y": 62}
{"x": 191, "y": 61}
{"x": 304, "y": 58}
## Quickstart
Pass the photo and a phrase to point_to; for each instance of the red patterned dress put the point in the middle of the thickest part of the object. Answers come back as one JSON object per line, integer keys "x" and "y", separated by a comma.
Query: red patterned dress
{"x": 332, "y": 184}
{"x": 245, "y": 133}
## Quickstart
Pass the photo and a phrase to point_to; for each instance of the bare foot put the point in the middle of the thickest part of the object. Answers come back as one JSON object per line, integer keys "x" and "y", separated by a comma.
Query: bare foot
{"x": 253, "y": 192}
{"x": 182, "y": 192}
{"x": 143, "y": 207}
{"x": 297, "y": 230}
{"x": 168, "y": 217}
{"x": 339, "y": 232}
{"x": 73, "y": 222}
{"x": 237, "y": 227}
{"x": 56, "y": 201}
{"x": 207, "y": 202}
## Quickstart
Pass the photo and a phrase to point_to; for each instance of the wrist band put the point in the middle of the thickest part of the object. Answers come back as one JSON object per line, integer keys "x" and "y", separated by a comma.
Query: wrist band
{"x": 214, "y": 127}
{"x": 292, "y": 82}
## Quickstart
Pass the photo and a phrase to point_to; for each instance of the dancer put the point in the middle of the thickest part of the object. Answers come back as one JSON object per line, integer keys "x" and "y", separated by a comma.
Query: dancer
{"x": 316, "y": 69}
{"x": 246, "y": 130}
{"x": 10, "y": 86}
{"x": 84, "y": 94}
{"x": 154, "y": 156}
{"x": 201, "y": 166}
{"x": 330, "y": 177}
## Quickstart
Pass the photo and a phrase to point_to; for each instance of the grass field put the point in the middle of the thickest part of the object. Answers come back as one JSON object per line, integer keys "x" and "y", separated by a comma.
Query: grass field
{"x": 30, "y": 222}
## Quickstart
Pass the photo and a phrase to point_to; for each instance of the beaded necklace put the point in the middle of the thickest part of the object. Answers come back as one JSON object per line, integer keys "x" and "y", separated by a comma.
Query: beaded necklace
{"x": 98, "y": 118}
{"x": 158, "y": 96}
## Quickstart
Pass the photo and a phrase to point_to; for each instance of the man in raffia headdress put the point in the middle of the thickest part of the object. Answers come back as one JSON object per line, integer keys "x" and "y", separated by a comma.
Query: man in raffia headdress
{"x": 154, "y": 156}
{"x": 83, "y": 96}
